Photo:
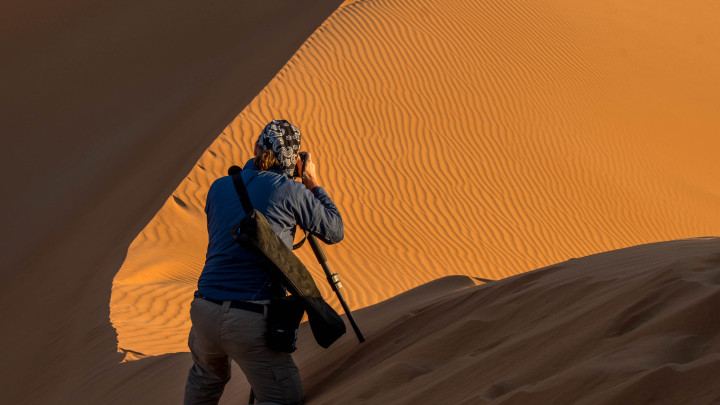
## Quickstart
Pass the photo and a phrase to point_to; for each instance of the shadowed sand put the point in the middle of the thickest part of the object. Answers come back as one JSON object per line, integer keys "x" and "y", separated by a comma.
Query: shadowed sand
{"x": 104, "y": 107}
{"x": 632, "y": 326}
{"x": 475, "y": 138}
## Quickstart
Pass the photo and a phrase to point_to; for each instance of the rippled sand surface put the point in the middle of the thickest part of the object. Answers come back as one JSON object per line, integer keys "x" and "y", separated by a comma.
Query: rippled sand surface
{"x": 476, "y": 138}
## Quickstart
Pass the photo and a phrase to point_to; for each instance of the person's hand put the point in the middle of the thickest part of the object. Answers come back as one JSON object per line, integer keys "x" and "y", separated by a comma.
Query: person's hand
{"x": 309, "y": 179}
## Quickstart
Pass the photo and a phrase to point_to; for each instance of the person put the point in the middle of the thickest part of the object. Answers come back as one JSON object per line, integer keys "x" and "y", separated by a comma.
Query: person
{"x": 227, "y": 313}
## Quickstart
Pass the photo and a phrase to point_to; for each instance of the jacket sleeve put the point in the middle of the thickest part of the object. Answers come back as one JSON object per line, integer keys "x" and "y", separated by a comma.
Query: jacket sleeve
{"x": 316, "y": 213}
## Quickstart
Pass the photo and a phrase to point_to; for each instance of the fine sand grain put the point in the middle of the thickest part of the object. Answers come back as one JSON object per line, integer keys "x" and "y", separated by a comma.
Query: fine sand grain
{"x": 475, "y": 138}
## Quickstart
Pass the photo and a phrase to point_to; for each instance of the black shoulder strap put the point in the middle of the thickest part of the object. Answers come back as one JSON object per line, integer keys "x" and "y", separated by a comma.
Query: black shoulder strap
{"x": 242, "y": 192}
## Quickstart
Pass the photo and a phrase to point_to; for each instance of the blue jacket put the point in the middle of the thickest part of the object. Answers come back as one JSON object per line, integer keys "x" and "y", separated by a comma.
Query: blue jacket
{"x": 232, "y": 272}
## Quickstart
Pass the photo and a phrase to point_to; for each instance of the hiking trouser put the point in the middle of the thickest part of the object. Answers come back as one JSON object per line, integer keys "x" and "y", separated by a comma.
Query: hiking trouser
{"x": 220, "y": 333}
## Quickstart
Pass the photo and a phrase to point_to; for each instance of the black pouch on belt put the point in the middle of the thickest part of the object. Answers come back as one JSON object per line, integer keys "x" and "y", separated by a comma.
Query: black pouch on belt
{"x": 283, "y": 319}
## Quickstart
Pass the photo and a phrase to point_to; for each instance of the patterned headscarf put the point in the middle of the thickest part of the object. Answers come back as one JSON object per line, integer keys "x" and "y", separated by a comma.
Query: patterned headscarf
{"x": 283, "y": 139}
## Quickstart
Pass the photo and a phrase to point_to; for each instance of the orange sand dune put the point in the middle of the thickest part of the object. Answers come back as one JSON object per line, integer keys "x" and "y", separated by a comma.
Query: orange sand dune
{"x": 484, "y": 139}
{"x": 632, "y": 326}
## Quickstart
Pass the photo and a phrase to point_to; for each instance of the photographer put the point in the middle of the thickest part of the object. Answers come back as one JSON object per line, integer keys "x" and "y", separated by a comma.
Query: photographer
{"x": 227, "y": 314}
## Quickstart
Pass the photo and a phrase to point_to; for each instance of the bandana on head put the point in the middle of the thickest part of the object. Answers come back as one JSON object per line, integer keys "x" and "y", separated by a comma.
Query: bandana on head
{"x": 283, "y": 139}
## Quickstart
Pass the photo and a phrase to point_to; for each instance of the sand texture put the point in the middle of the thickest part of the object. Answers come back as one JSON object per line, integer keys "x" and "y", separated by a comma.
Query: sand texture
{"x": 634, "y": 326}
{"x": 484, "y": 139}
{"x": 104, "y": 107}
{"x": 463, "y": 141}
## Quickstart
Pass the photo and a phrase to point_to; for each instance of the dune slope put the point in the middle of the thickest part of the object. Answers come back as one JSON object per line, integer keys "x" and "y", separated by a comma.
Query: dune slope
{"x": 632, "y": 326}
{"x": 104, "y": 107}
{"x": 478, "y": 138}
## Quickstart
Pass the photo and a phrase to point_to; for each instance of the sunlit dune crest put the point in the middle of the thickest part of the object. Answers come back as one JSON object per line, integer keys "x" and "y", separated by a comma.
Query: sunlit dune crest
{"x": 482, "y": 139}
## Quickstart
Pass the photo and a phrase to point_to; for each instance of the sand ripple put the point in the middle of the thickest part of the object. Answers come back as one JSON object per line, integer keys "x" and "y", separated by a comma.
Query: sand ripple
{"x": 485, "y": 139}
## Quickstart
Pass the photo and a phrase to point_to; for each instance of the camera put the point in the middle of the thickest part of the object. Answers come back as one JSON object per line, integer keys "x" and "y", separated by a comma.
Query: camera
{"x": 303, "y": 157}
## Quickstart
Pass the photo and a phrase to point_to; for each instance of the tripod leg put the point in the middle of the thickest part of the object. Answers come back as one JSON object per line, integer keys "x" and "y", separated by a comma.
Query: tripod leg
{"x": 335, "y": 283}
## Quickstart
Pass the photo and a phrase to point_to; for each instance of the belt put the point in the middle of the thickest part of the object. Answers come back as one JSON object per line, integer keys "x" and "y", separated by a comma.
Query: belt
{"x": 248, "y": 306}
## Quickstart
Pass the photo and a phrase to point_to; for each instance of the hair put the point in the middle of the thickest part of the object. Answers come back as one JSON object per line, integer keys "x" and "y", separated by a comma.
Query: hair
{"x": 266, "y": 160}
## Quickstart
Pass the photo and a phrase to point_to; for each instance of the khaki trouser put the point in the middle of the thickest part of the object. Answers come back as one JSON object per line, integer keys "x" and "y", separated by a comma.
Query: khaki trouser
{"x": 219, "y": 334}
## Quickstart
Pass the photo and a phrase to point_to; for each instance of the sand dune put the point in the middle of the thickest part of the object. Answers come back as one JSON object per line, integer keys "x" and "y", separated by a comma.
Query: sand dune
{"x": 483, "y": 139}
{"x": 104, "y": 107}
{"x": 458, "y": 138}
{"x": 632, "y": 326}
